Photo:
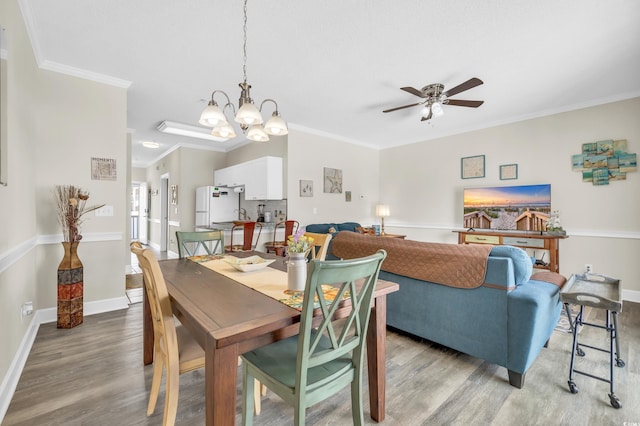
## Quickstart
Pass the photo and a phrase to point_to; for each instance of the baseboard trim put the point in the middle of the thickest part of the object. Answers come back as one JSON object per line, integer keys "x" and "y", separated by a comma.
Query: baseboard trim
{"x": 631, "y": 296}
{"x": 90, "y": 308}
{"x": 10, "y": 381}
{"x": 44, "y": 316}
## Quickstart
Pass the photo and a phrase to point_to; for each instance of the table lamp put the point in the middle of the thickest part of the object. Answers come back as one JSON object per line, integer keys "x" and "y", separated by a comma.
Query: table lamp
{"x": 382, "y": 211}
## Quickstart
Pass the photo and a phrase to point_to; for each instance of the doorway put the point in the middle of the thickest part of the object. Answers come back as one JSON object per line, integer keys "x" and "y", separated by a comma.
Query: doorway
{"x": 164, "y": 211}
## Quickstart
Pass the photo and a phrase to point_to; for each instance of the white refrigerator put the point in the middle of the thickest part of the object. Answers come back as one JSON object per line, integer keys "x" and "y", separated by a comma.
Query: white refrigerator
{"x": 215, "y": 204}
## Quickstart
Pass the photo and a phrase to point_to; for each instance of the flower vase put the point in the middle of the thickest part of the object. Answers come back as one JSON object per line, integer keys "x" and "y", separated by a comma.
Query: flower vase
{"x": 70, "y": 287}
{"x": 297, "y": 271}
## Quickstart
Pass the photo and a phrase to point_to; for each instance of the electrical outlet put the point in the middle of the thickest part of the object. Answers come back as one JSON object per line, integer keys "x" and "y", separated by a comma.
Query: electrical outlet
{"x": 588, "y": 268}
{"x": 27, "y": 309}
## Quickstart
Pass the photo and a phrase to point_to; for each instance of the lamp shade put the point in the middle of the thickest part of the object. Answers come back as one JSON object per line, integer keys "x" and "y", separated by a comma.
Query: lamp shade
{"x": 257, "y": 134}
{"x": 436, "y": 109}
{"x": 212, "y": 116}
{"x": 224, "y": 131}
{"x": 382, "y": 210}
{"x": 248, "y": 115}
{"x": 276, "y": 125}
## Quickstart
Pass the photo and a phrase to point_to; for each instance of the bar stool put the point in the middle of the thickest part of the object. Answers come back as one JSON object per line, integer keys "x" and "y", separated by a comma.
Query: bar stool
{"x": 247, "y": 242}
{"x": 280, "y": 247}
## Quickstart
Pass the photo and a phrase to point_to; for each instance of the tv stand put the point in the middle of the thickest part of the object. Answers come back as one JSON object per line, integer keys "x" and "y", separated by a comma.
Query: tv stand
{"x": 522, "y": 239}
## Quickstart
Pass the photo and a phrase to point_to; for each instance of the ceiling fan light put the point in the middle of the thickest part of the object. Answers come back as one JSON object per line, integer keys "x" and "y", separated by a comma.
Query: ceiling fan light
{"x": 424, "y": 112}
{"x": 436, "y": 109}
{"x": 248, "y": 114}
{"x": 276, "y": 125}
{"x": 212, "y": 116}
{"x": 224, "y": 131}
{"x": 257, "y": 134}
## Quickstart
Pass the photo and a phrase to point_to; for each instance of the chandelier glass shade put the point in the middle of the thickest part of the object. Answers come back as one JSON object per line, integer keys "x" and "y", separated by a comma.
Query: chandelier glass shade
{"x": 249, "y": 117}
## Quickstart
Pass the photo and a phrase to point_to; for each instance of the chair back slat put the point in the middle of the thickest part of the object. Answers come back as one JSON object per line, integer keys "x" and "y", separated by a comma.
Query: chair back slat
{"x": 164, "y": 329}
{"x": 211, "y": 241}
{"x": 330, "y": 340}
{"x": 320, "y": 245}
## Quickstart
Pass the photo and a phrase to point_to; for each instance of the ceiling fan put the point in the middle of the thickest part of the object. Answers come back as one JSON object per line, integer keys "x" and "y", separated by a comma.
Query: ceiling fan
{"x": 435, "y": 96}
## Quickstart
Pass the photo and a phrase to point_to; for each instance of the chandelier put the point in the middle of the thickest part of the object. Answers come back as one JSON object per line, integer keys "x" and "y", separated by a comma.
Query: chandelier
{"x": 249, "y": 117}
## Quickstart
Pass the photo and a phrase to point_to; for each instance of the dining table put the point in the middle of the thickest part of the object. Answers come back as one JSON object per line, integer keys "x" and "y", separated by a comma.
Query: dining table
{"x": 228, "y": 319}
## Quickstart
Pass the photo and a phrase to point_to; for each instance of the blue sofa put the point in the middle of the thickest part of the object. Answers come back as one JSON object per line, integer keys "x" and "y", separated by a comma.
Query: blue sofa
{"x": 331, "y": 228}
{"x": 506, "y": 320}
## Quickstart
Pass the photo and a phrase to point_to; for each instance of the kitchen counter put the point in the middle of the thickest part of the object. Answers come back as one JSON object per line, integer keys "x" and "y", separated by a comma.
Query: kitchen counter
{"x": 226, "y": 226}
{"x": 266, "y": 236}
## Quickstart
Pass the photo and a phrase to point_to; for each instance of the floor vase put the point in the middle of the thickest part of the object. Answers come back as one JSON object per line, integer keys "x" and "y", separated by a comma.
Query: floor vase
{"x": 70, "y": 287}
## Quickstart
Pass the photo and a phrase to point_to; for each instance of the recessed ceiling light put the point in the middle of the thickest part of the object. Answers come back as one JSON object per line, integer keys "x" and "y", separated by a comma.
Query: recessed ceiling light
{"x": 149, "y": 144}
{"x": 188, "y": 130}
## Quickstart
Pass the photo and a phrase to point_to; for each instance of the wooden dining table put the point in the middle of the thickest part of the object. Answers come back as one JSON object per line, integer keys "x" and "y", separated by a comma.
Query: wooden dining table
{"x": 228, "y": 319}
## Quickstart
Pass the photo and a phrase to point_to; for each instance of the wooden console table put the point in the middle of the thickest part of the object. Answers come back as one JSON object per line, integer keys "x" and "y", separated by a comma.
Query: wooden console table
{"x": 529, "y": 240}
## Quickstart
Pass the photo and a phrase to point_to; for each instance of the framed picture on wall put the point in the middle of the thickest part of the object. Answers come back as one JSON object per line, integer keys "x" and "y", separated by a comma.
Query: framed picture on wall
{"x": 174, "y": 194}
{"x": 306, "y": 188}
{"x": 472, "y": 167}
{"x": 508, "y": 171}
{"x": 332, "y": 180}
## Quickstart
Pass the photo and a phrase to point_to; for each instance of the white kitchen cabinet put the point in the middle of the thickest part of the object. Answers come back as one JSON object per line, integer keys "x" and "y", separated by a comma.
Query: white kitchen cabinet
{"x": 231, "y": 176}
{"x": 222, "y": 177}
{"x": 264, "y": 179}
{"x": 261, "y": 178}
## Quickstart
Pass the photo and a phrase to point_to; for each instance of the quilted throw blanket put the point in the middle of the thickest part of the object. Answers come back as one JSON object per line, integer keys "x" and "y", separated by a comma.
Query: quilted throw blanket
{"x": 454, "y": 265}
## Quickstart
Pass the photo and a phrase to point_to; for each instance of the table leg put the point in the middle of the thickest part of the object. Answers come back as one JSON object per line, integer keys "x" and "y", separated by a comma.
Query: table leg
{"x": 147, "y": 330}
{"x": 221, "y": 369}
{"x": 376, "y": 357}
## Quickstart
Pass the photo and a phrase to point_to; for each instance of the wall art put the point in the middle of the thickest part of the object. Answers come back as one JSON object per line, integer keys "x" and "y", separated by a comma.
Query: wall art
{"x": 508, "y": 171}
{"x": 604, "y": 161}
{"x": 472, "y": 167}
{"x": 103, "y": 169}
{"x": 332, "y": 180}
{"x": 174, "y": 194}
{"x": 306, "y": 188}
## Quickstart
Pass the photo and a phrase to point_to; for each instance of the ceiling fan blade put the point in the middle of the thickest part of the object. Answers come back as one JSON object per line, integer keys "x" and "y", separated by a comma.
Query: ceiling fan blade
{"x": 413, "y": 91}
{"x": 469, "y": 84}
{"x": 428, "y": 117}
{"x": 460, "y": 102}
{"x": 401, "y": 107}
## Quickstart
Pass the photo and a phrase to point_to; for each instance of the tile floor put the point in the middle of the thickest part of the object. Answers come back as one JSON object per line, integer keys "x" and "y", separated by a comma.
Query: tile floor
{"x": 135, "y": 295}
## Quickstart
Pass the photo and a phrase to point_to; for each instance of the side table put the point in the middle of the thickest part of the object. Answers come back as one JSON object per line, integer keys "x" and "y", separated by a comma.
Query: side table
{"x": 600, "y": 292}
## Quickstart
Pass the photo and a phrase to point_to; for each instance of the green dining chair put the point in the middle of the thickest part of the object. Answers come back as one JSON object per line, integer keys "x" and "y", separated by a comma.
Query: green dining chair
{"x": 323, "y": 359}
{"x": 189, "y": 242}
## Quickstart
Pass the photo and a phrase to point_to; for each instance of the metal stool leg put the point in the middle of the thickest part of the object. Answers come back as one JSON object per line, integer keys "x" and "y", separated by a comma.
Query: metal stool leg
{"x": 619, "y": 361}
{"x": 615, "y": 401}
{"x": 574, "y": 327}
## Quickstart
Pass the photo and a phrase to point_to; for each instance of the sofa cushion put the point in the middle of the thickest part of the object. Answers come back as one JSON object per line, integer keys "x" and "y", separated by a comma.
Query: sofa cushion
{"x": 522, "y": 265}
{"x": 348, "y": 226}
{"x": 321, "y": 228}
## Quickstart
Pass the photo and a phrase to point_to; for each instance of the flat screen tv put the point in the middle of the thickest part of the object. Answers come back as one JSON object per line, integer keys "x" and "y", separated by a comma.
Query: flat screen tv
{"x": 522, "y": 208}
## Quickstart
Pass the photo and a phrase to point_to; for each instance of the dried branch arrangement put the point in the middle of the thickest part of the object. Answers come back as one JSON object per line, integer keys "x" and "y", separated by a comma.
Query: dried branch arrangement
{"x": 71, "y": 202}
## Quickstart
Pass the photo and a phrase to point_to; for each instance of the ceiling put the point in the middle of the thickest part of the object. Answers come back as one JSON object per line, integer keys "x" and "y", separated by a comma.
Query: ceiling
{"x": 334, "y": 65}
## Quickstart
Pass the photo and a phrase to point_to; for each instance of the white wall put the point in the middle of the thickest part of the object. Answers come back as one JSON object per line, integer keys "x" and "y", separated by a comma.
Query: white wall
{"x": 56, "y": 123}
{"x": 309, "y": 154}
{"x": 424, "y": 188}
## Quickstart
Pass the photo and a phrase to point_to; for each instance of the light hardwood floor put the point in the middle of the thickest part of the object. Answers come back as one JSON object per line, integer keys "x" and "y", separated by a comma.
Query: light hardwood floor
{"x": 93, "y": 375}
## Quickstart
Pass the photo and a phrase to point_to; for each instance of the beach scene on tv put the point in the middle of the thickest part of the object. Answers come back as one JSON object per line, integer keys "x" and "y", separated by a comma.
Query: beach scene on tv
{"x": 522, "y": 208}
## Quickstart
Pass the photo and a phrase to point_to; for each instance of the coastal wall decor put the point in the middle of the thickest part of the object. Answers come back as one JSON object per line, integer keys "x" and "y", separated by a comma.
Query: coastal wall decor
{"x": 332, "y": 180}
{"x": 472, "y": 167}
{"x": 508, "y": 171}
{"x": 306, "y": 188}
{"x": 604, "y": 161}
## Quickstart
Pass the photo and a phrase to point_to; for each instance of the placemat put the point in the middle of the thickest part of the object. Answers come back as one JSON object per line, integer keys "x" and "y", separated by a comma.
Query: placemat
{"x": 268, "y": 281}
